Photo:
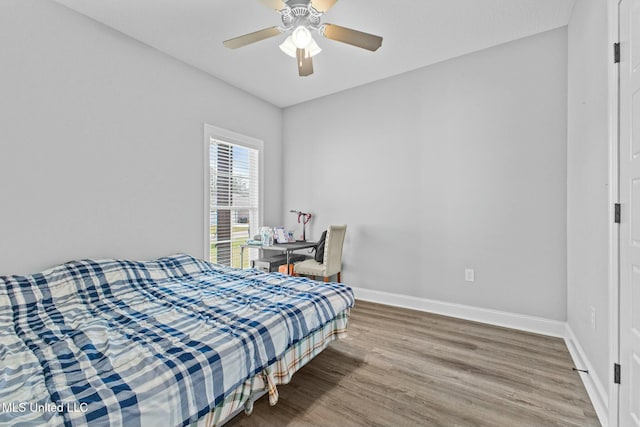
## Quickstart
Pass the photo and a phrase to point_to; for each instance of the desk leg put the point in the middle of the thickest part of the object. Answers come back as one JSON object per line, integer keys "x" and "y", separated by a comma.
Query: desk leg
{"x": 289, "y": 270}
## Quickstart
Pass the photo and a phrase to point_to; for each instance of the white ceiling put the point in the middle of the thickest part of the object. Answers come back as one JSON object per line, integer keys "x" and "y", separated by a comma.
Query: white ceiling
{"x": 416, "y": 33}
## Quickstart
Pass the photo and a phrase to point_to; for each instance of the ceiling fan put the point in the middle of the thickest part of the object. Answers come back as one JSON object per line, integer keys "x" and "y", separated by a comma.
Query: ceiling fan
{"x": 300, "y": 17}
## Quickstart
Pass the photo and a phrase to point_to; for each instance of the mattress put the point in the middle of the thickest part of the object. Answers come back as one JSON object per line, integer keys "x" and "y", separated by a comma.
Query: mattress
{"x": 278, "y": 373}
{"x": 164, "y": 342}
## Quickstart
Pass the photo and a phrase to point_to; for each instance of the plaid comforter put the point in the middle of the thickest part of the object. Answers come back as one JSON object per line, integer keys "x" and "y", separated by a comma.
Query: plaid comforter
{"x": 124, "y": 343}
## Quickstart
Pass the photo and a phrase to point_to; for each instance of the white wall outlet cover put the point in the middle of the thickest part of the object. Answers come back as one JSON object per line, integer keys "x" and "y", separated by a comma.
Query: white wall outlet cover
{"x": 469, "y": 275}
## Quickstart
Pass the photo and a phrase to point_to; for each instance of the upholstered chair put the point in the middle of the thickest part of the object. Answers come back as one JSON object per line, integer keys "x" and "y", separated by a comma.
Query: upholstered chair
{"x": 332, "y": 262}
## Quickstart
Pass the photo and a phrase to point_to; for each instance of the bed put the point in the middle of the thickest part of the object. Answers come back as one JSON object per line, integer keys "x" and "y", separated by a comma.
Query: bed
{"x": 175, "y": 341}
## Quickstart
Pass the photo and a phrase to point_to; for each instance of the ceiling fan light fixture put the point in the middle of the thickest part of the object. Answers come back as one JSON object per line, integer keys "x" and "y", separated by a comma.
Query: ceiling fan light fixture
{"x": 301, "y": 37}
{"x": 289, "y": 47}
{"x": 299, "y": 17}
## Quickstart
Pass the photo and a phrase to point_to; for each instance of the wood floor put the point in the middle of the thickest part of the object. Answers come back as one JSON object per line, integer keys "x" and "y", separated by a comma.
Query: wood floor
{"x": 402, "y": 367}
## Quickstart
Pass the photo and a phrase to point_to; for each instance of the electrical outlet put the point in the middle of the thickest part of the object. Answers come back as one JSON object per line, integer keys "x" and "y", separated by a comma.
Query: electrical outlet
{"x": 469, "y": 275}
{"x": 593, "y": 318}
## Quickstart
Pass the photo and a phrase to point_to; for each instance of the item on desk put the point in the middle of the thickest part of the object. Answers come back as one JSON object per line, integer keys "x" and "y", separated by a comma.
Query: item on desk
{"x": 266, "y": 234}
{"x": 303, "y": 218}
{"x": 254, "y": 242}
{"x": 281, "y": 235}
{"x": 290, "y": 237}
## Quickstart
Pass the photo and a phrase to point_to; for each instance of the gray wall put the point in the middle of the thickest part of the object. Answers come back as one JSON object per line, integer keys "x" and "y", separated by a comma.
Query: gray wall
{"x": 587, "y": 182}
{"x": 101, "y": 142}
{"x": 460, "y": 164}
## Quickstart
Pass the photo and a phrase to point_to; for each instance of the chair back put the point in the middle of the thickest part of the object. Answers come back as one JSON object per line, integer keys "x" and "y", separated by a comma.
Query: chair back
{"x": 333, "y": 249}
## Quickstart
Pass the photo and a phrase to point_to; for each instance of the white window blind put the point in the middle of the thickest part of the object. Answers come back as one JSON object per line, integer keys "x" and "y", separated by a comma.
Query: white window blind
{"x": 234, "y": 200}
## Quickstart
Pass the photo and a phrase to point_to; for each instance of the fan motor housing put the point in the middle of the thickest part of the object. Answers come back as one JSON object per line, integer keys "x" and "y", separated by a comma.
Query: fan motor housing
{"x": 297, "y": 3}
{"x": 299, "y": 12}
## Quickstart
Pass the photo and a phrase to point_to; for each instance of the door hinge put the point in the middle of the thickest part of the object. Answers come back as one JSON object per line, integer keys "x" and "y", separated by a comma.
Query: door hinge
{"x": 616, "y": 373}
{"x": 616, "y": 213}
{"x": 616, "y": 53}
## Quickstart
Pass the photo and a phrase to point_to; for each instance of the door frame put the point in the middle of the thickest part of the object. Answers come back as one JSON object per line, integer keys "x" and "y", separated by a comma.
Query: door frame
{"x": 614, "y": 229}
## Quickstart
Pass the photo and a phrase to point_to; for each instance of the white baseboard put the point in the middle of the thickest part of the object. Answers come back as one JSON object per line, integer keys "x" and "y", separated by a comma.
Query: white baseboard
{"x": 521, "y": 322}
{"x": 596, "y": 391}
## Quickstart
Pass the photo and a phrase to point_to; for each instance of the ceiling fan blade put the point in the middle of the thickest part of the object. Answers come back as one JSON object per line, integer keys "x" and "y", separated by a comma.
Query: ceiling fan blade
{"x": 251, "y": 38}
{"x": 305, "y": 63}
{"x": 274, "y": 4}
{"x": 352, "y": 37}
{"x": 323, "y": 5}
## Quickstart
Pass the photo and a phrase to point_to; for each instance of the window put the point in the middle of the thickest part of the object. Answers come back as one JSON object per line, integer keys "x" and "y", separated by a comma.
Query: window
{"x": 233, "y": 198}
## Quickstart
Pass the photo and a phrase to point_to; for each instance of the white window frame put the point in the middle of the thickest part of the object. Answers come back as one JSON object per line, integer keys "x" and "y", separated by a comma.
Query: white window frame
{"x": 214, "y": 132}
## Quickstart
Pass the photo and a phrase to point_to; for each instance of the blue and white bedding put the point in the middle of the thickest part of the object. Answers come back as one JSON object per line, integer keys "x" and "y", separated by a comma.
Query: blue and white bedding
{"x": 124, "y": 343}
